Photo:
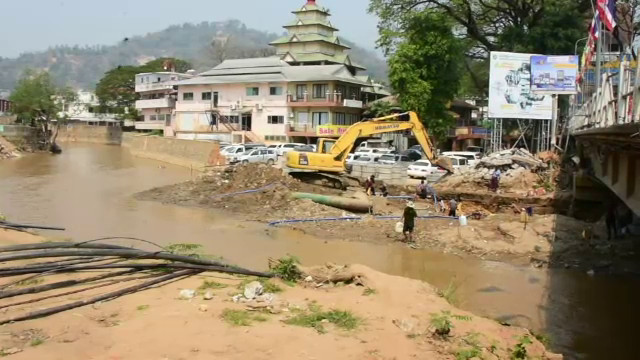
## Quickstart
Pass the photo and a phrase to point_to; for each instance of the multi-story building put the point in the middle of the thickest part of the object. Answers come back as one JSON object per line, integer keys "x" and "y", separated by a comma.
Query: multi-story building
{"x": 157, "y": 99}
{"x": 5, "y": 106}
{"x": 85, "y": 110}
{"x": 267, "y": 99}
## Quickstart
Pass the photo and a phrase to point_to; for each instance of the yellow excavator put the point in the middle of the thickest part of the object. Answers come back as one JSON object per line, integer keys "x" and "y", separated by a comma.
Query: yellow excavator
{"x": 329, "y": 160}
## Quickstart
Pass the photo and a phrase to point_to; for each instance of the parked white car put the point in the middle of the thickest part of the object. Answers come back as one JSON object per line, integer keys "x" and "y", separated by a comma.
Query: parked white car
{"x": 472, "y": 157}
{"x": 458, "y": 162}
{"x": 233, "y": 152}
{"x": 424, "y": 168}
{"x": 285, "y": 148}
{"x": 393, "y": 159}
{"x": 375, "y": 152}
{"x": 380, "y": 145}
{"x": 365, "y": 160}
{"x": 264, "y": 156}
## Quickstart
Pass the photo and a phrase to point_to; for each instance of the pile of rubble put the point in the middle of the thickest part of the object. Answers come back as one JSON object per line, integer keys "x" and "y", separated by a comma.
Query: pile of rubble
{"x": 519, "y": 172}
{"x": 7, "y": 149}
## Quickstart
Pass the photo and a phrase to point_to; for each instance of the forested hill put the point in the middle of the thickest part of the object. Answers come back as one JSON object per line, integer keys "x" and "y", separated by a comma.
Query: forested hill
{"x": 204, "y": 45}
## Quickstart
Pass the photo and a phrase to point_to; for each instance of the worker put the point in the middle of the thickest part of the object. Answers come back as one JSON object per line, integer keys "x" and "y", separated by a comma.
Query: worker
{"x": 421, "y": 190}
{"x": 453, "y": 205}
{"x": 611, "y": 222}
{"x": 384, "y": 191}
{"x": 408, "y": 221}
{"x": 369, "y": 185}
{"x": 495, "y": 180}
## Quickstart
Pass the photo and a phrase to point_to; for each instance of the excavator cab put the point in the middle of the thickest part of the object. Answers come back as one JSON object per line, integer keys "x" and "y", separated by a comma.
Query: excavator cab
{"x": 325, "y": 145}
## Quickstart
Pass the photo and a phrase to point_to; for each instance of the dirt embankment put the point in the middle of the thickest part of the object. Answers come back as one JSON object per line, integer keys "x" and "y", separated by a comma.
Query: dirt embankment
{"x": 497, "y": 234}
{"x": 7, "y": 149}
{"x": 383, "y": 317}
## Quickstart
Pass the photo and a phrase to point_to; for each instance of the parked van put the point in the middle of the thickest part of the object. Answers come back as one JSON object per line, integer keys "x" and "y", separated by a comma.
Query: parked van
{"x": 458, "y": 162}
{"x": 380, "y": 145}
{"x": 472, "y": 157}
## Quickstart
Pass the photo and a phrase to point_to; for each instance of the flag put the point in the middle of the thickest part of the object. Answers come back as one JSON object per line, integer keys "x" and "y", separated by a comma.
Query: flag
{"x": 607, "y": 11}
{"x": 594, "y": 31}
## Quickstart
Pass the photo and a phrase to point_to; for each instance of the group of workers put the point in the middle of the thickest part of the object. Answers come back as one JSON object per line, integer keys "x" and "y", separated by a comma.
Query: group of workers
{"x": 409, "y": 214}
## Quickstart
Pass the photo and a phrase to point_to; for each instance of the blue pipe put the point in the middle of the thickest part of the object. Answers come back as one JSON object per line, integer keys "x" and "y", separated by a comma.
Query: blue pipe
{"x": 243, "y": 192}
{"x": 294, "y": 221}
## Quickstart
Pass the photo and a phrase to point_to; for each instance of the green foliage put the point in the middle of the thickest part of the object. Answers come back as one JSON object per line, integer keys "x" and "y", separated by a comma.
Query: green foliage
{"x": 36, "y": 341}
{"x": 520, "y": 350}
{"x": 378, "y": 109}
{"x": 425, "y": 69}
{"x": 472, "y": 348}
{"x": 369, "y": 291}
{"x": 286, "y": 268}
{"x": 270, "y": 287}
{"x": 184, "y": 249}
{"x": 544, "y": 338}
{"x": 36, "y": 99}
{"x": 116, "y": 91}
{"x": 142, "y": 307}
{"x": 535, "y": 26}
{"x": 441, "y": 322}
{"x": 30, "y": 282}
{"x": 241, "y": 317}
{"x": 450, "y": 293}
{"x": 211, "y": 285}
{"x": 314, "y": 318}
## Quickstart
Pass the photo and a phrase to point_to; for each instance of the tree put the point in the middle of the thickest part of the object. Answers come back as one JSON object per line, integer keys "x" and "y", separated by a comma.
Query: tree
{"x": 536, "y": 26}
{"x": 425, "y": 70}
{"x": 116, "y": 91}
{"x": 36, "y": 100}
{"x": 378, "y": 109}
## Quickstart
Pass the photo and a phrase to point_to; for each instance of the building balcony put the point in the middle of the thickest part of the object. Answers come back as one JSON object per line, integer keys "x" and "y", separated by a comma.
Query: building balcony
{"x": 150, "y": 125}
{"x": 330, "y": 100}
{"x": 155, "y": 103}
{"x": 167, "y": 85}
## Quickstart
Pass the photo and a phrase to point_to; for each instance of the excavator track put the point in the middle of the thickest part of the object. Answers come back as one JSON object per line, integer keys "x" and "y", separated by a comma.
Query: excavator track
{"x": 332, "y": 180}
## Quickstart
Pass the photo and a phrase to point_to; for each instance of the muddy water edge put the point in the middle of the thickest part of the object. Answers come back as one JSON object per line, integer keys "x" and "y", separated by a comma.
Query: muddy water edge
{"x": 88, "y": 189}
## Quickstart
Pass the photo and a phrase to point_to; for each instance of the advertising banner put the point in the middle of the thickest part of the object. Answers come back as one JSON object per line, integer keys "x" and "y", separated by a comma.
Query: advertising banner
{"x": 510, "y": 95}
{"x": 554, "y": 74}
{"x": 331, "y": 130}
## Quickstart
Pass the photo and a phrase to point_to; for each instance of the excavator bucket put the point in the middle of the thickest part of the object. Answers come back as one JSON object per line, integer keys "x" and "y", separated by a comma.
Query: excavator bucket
{"x": 445, "y": 163}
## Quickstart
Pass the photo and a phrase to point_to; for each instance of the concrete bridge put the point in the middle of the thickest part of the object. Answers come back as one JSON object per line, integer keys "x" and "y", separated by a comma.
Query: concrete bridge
{"x": 606, "y": 128}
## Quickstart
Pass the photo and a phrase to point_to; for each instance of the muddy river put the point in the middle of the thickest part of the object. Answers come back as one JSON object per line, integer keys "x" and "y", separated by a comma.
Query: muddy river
{"x": 88, "y": 189}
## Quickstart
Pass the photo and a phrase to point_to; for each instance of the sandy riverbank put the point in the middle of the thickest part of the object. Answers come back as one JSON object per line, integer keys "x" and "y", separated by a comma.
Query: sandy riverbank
{"x": 388, "y": 318}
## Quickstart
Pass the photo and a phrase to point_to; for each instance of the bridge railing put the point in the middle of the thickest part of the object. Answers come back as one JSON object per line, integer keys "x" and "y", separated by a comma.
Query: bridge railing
{"x": 614, "y": 103}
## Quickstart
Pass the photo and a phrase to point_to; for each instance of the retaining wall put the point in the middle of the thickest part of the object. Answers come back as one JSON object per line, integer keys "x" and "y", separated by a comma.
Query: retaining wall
{"x": 392, "y": 174}
{"x": 8, "y": 119}
{"x": 18, "y": 134}
{"x": 110, "y": 135}
{"x": 188, "y": 153}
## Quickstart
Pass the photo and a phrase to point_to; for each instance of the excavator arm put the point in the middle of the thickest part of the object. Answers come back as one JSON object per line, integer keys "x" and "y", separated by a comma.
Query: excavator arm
{"x": 332, "y": 154}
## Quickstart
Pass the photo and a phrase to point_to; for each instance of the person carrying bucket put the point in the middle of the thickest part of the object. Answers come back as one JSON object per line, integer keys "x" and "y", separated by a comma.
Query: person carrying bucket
{"x": 408, "y": 220}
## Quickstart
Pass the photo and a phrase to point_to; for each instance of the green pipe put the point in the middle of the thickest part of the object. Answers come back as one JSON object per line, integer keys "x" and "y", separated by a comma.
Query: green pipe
{"x": 350, "y": 204}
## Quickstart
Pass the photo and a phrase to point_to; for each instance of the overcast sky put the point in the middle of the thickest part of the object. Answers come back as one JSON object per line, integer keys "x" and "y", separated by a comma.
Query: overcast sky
{"x": 33, "y": 25}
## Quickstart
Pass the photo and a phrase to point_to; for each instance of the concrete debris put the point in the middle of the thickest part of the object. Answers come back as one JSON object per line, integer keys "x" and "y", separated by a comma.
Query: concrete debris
{"x": 519, "y": 171}
{"x": 11, "y": 351}
{"x": 252, "y": 290}
{"x": 7, "y": 149}
{"x": 187, "y": 294}
{"x": 208, "y": 295}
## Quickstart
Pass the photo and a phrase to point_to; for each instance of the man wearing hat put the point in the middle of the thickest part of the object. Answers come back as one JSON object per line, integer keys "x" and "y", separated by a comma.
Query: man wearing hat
{"x": 408, "y": 219}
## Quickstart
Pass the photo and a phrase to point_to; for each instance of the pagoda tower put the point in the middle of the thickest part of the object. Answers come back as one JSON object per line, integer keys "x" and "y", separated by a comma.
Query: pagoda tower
{"x": 311, "y": 40}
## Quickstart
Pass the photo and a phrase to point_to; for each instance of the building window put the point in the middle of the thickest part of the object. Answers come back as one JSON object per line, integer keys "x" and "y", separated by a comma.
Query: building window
{"x": 234, "y": 119}
{"x": 279, "y": 138}
{"x": 341, "y": 89}
{"x": 206, "y": 96}
{"x": 253, "y": 91}
{"x": 187, "y": 96}
{"x": 300, "y": 91}
{"x": 352, "y": 119}
{"x": 275, "y": 120}
{"x": 275, "y": 90}
{"x": 320, "y": 118}
{"x": 320, "y": 91}
{"x": 339, "y": 119}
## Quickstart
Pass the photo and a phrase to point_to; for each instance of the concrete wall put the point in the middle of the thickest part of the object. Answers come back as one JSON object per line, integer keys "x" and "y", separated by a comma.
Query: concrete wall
{"x": 7, "y": 119}
{"x": 188, "y": 153}
{"x": 111, "y": 135}
{"x": 18, "y": 134}
{"x": 390, "y": 174}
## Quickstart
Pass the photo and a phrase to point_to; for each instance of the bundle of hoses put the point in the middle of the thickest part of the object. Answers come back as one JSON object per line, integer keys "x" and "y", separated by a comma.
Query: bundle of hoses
{"x": 103, "y": 271}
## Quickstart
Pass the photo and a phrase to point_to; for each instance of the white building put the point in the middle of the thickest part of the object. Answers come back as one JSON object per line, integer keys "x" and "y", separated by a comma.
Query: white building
{"x": 85, "y": 110}
{"x": 157, "y": 99}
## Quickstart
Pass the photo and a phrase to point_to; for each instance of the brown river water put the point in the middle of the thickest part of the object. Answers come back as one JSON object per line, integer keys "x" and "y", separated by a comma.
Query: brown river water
{"x": 88, "y": 189}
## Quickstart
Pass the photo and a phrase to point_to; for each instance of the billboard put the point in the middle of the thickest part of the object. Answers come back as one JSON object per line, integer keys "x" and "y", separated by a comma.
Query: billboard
{"x": 554, "y": 74}
{"x": 331, "y": 130}
{"x": 510, "y": 95}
